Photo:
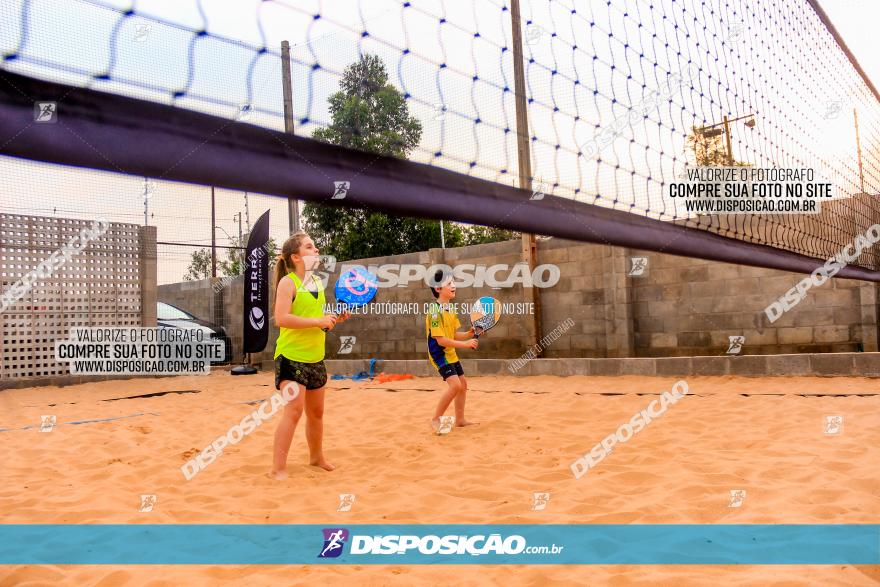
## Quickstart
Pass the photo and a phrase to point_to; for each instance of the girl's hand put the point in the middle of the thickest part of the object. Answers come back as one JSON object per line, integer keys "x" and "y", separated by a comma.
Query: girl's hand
{"x": 345, "y": 316}
{"x": 471, "y": 344}
{"x": 327, "y": 322}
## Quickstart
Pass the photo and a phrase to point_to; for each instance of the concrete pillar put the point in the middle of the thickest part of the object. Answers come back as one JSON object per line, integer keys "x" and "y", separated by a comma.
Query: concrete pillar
{"x": 868, "y": 302}
{"x": 619, "y": 327}
{"x": 147, "y": 275}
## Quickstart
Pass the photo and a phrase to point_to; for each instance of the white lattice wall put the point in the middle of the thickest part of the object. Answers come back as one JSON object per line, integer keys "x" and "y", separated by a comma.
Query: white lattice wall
{"x": 97, "y": 287}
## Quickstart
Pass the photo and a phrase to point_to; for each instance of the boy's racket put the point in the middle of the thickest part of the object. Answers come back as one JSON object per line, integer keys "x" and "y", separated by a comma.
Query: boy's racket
{"x": 355, "y": 288}
{"x": 485, "y": 314}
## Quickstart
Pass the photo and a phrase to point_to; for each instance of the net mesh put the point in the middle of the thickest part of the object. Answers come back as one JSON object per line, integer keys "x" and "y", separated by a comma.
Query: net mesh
{"x": 614, "y": 91}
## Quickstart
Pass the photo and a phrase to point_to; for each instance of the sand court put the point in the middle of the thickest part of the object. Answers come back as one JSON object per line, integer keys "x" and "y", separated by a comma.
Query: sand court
{"x": 766, "y": 437}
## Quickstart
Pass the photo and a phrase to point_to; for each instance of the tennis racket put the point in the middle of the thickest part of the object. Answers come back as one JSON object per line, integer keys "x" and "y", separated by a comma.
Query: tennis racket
{"x": 485, "y": 313}
{"x": 355, "y": 288}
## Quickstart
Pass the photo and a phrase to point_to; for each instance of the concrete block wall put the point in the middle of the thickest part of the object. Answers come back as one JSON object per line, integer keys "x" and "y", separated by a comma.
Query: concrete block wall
{"x": 689, "y": 307}
{"x": 401, "y": 334}
{"x": 679, "y": 307}
{"x": 109, "y": 282}
{"x": 580, "y": 296}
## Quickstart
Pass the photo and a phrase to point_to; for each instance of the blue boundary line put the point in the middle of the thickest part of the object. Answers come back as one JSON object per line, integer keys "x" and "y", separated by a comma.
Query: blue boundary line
{"x": 78, "y": 422}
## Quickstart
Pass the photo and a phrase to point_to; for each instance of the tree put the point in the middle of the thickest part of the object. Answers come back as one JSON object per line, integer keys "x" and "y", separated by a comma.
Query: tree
{"x": 199, "y": 266}
{"x": 370, "y": 114}
{"x": 234, "y": 263}
{"x": 200, "y": 261}
{"x": 478, "y": 235}
{"x": 709, "y": 150}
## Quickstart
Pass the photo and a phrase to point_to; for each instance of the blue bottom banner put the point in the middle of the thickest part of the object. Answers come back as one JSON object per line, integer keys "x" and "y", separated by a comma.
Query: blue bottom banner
{"x": 488, "y": 544}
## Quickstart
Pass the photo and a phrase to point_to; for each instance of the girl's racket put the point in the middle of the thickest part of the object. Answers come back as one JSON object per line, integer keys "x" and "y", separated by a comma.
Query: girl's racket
{"x": 355, "y": 288}
{"x": 485, "y": 314}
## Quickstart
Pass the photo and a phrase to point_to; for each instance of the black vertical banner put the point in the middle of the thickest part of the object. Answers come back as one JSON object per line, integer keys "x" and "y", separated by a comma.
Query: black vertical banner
{"x": 256, "y": 288}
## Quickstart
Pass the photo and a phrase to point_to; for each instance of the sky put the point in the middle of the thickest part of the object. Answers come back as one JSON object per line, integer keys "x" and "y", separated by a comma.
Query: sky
{"x": 849, "y": 18}
{"x": 587, "y": 65}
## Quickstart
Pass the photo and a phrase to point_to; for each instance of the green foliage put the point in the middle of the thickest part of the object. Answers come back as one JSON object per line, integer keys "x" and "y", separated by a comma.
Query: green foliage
{"x": 200, "y": 261}
{"x": 709, "y": 151}
{"x": 235, "y": 261}
{"x": 478, "y": 235}
{"x": 199, "y": 266}
{"x": 370, "y": 114}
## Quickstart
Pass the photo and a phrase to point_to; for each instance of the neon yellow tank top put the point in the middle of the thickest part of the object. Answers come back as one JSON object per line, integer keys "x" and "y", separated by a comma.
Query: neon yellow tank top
{"x": 303, "y": 345}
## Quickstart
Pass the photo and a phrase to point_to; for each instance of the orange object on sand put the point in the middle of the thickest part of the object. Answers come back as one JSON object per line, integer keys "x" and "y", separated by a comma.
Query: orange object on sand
{"x": 386, "y": 377}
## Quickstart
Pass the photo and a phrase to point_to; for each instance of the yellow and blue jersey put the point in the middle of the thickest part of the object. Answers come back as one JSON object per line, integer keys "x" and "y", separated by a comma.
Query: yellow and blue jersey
{"x": 441, "y": 322}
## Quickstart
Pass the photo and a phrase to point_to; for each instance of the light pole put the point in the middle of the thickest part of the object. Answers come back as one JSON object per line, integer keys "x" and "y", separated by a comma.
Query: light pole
{"x": 711, "y": 130}
{"x": 239, "y": 226}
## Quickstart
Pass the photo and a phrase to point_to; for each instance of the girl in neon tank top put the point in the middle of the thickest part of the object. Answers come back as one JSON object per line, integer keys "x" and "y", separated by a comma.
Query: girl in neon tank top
{"x": 299, "y": 350}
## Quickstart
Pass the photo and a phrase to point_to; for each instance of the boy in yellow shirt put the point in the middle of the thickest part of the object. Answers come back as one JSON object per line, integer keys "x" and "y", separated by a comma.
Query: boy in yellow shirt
{"x": 442, "y": 325}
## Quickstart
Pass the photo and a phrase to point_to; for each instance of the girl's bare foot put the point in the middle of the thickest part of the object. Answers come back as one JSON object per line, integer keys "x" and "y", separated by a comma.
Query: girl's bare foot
{"x": 466, "y": 423}
{"x": 322, "y": 462}
{"x": 277, "y": 475}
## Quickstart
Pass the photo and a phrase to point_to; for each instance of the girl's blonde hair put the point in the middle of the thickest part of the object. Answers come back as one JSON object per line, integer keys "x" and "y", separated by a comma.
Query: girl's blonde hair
{"x": 290, "y": 247}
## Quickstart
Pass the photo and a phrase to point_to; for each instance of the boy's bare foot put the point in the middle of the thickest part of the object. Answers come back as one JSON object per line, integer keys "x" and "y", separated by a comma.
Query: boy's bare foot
{"x": 277, "y": 475}
{"x": 322, "y": 462}
{"x": 462, "y": 423}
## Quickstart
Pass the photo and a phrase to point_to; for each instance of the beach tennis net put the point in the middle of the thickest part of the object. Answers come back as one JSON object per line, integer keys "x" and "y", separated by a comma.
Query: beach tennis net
{"x": 621, "y": 99}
